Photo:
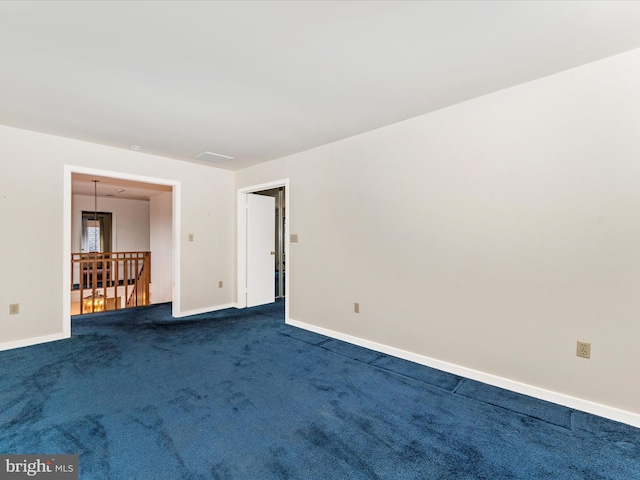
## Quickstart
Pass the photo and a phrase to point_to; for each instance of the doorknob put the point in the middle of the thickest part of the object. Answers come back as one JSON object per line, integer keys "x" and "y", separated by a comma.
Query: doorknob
{"x": 272, "y": 252}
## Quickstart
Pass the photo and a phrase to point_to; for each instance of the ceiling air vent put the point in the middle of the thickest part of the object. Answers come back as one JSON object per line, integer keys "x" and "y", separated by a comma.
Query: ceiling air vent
{"x": 213, "y": 157}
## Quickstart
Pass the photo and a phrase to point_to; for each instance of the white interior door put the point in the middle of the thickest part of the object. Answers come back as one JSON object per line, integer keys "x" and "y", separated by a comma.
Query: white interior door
{"x": 261, "y": 248}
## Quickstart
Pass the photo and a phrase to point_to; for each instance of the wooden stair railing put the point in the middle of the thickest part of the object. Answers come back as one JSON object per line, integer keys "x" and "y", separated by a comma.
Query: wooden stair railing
{"x": 108, "y": 276}
{"x": 140, "y": 294}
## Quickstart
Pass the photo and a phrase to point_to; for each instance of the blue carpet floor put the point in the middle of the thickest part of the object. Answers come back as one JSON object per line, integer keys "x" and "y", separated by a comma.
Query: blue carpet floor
{"x": 237, "y": 394}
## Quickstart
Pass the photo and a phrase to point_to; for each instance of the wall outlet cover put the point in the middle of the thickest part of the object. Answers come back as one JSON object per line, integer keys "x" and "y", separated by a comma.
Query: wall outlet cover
{"x": 583, "y": 349}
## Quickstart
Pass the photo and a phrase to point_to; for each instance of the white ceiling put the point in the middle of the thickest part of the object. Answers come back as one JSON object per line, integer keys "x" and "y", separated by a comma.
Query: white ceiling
{"x": 261, "y": 80}
{"x": 82, "y": 184}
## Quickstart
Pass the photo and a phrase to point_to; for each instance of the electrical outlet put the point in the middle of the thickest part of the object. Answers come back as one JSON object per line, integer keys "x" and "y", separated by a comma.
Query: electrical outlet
{"x": 583, "y": 349}
{"x": 356, "y": 308}
{"x": 220, "y": 284}
{"x": 191, "y": 237}
{"x": 14, "y": 309}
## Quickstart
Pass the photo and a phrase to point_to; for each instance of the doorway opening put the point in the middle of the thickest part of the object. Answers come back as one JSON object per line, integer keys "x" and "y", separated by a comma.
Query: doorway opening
{"x": 162, "y": 235}
{"x": 115, "y": 225}
{"x": 279, "y": 227}
{"x": 252, "y": 264}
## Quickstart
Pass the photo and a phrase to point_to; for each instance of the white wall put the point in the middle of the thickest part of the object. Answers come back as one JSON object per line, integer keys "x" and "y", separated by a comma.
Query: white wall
{"x": 130, "y": 222}
{"x": 32, "y": 198}
{"x": 488, "y": 237}
{"x": 161, "y": 247}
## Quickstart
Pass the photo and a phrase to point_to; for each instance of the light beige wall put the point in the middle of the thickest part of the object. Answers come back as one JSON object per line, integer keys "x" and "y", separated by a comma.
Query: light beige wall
{"x": 130, "y": 221}
{"x": 493, "y": 234}
{"x": 161, "y": 247}
{"x": 31, "y": 215}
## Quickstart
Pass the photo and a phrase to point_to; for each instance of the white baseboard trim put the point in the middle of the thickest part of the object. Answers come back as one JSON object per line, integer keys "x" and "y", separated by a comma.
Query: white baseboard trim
{"x": 205, "y": 310}
{"x": 27, "y": 342}
{"x": 576, "y": 403}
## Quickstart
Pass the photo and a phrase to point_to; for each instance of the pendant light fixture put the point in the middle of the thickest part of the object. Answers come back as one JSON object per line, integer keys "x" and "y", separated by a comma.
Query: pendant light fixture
{"x": 96, "y": 301}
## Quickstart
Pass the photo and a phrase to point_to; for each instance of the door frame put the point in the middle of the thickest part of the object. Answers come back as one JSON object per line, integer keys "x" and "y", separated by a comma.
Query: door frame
{"x": 241, "y": 223}
{"x": 175, "y": 185}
